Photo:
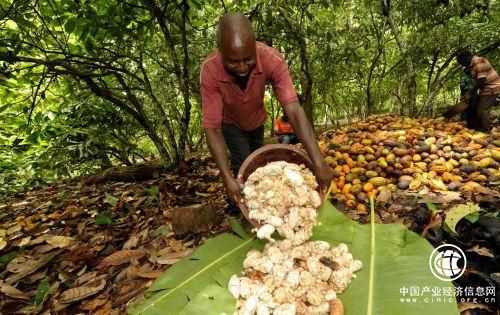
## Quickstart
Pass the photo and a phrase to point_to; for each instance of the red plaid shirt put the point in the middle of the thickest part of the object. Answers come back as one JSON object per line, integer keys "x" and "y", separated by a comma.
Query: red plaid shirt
{"x": 481, "y": 68}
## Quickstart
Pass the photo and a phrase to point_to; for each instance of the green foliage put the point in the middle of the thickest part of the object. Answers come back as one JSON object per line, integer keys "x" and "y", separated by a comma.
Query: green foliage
{"x": 85, "y": 85}
{"x": 42, "y": 291}
{"x": 103, "y": 218}
{"x": 197, "y": 284}
{"x": 458, "y": 212}
{"x": 393, "y": 258}
{"x": 6, "y": 258}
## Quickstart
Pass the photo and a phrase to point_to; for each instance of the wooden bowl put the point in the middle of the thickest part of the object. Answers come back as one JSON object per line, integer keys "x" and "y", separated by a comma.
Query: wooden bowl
{"x": 270, "y": 153}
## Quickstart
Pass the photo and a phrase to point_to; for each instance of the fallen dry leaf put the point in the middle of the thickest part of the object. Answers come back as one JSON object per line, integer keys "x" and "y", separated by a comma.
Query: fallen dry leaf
{"x": 131, "y": 242}
{"x": 121, "y": 257}
{"x": 483, "y": 251}
{"x": 462, "y": 307}
{"x": 3, "y": 243}
{"x": 105, "y": 310}
{"x": 82, "y": 292}
{"x": 95, "y": 303}
{"x": 25, "y": 241}
{"x": 170, "y": 258}
{"x": 31, "y": 266}
{"x": 17, "y": 264}
{"x": 60, "y": 241}
{"x": 12, "y": 292}
{"x": 142, "y": 272}
{"x": 86, "y": 277}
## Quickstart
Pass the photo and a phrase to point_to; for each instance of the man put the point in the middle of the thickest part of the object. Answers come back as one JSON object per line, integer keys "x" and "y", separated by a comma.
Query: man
{"x": 486, "y": 85}
{"x": 284, "y": 130}
{"x": 233, "y": 80}
{"x": 468, "y": 100}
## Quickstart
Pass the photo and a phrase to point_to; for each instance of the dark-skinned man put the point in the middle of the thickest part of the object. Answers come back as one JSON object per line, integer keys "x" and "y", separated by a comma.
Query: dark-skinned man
{"x": 233, "y": 80}
{"x": 486, "y": 86}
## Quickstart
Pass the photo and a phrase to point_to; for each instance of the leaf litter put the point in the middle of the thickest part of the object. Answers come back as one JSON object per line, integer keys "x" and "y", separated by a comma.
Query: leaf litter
{"x": 74, "y": 249}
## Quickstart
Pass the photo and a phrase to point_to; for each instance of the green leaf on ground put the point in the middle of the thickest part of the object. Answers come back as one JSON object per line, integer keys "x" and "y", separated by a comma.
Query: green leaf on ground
{"x": 457, "y": 213}
{"x": 394, "y": 260}
{"x": 6, "y": 258}
{"x": 103, "y": 218}
{"x": 42, "y": 291}
{"x": 111, "y": 200}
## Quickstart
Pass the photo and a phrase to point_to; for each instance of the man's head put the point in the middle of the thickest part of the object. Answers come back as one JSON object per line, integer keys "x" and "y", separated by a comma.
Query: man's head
{"x": 464, "y": 57}
{"x": 236, "y": 42}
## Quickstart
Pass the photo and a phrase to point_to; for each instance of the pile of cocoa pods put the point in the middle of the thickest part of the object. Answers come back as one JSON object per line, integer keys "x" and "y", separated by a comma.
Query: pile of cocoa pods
{"x": 382, "y": 154}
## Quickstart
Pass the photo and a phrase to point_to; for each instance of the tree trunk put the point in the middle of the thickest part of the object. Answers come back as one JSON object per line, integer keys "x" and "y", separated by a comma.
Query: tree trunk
{"x": 306, "y": 80}
{"x": 411, "y": 77}
{"x": 184, "y": 85}
{"x": 369, "y": 102}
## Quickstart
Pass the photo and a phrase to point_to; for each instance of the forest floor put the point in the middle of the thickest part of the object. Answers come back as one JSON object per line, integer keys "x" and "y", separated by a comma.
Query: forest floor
{"x": 71, "y": 248}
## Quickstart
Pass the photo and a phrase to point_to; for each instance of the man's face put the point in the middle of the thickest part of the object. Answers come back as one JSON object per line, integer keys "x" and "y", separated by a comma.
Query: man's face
{"x": 239, "y": 58}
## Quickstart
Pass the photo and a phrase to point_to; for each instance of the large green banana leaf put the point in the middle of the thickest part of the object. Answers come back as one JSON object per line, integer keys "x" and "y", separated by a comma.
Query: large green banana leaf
{"x": 394, "y": 260}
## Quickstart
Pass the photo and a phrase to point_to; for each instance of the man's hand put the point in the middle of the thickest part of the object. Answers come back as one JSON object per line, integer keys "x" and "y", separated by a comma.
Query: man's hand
{"x": 233, "y": 188}
{"x": 304, "y": 131}
{"x": 216, "y": 145}
{"x": 324, "y": 175}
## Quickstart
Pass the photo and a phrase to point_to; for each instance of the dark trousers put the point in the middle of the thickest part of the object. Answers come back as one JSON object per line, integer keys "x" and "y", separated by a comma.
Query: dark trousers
{"x": 484, "y": 105}
{"x": 288, "y": 138}
{"x": 241, "y": 143}
{"x": 478, "y": 114}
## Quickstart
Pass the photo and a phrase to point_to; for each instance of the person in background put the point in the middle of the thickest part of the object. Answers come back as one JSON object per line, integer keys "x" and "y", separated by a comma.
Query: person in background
{"x": 468, "y": 100}
{"x": 233, "y": 80}
{"x": 486, "y": 87}
{"x": 284, "y": 130}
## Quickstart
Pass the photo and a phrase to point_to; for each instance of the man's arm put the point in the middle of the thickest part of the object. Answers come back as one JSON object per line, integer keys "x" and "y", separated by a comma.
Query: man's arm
{"x": 212, "y": 118}
{"x": 304, "y": 131}
{"x": 215, "y": 141}
{"x": 216, "y": 144}
{"x": 480, "y": 68}
{"x": 284, "y": 90}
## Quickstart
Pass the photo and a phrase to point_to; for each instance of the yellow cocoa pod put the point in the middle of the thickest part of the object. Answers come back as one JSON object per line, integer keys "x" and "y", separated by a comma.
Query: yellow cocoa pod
{"x": 356, "y": 188}
{"x": 377, "y": 181}
{"x": 447, "y": 177}
{"x": 366, "y": 141}
{"x": 439, "y": 168}
{"x": 369, "y": 150}
{"x": 495, "y": 154}
{"x": 368, "y": 187}
{"x": 415, "y": 184}
{"x": 382, "y": 163}
{"x": 421, "y": 165}
{"x": 478, "y": 177}
{"x": 484, "y": 163}
{"x": 346, "y": 189}
{"x": 330, "y": 160}
{"x": 358, "y": 170}
{"x": 463, "y": 161}
{"x": 390, "y": 158}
